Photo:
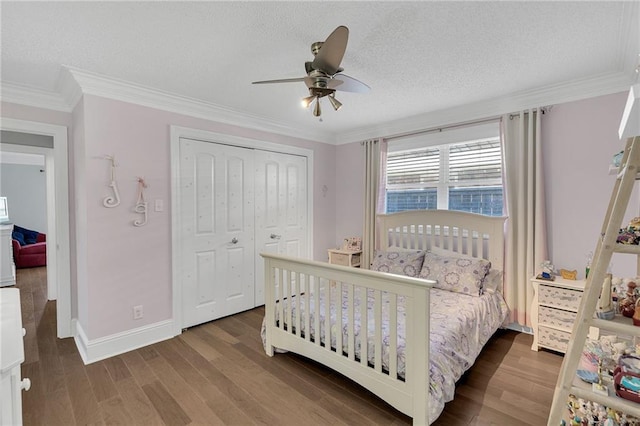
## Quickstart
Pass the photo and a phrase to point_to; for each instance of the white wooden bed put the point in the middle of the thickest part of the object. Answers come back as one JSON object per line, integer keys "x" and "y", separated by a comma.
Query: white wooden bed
{"x": 307, "y": 302}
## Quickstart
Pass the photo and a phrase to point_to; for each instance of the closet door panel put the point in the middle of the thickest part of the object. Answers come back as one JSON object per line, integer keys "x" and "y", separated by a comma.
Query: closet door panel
{"x": 281, "y": 209}
{"x": 217, "y": 218}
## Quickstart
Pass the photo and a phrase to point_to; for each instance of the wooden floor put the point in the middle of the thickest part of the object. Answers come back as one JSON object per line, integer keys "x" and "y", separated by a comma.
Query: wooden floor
{"x": 218, "y": 373}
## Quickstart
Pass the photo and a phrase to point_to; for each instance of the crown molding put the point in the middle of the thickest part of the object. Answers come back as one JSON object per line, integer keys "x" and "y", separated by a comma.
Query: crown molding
{"x": 107, "y": 87}
{"x": 69, "y": 88}
{"x": 73, "y": 83}
{"x": 30, "y": 96}
{"x": 549, "y": 95}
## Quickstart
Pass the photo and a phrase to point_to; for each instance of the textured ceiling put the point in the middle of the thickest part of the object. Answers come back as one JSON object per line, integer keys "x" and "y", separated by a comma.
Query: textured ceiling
{"x": 416, "y": 56}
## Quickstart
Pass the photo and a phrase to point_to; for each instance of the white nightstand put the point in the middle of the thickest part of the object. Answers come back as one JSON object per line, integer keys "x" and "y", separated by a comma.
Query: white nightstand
{"x": 553, "y": 312}
{"x": 344, "y": 257}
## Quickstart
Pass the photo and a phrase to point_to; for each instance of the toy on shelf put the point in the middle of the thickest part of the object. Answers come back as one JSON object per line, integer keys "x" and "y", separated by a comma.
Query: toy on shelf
{"x": 569, "y": 275}
{"x": 631, "y": 234}
{"x": 628, "y": 303}
{"x": 604, "y": 309}
{"x": 546, "y": 271}
{"x": 352, "y": 244}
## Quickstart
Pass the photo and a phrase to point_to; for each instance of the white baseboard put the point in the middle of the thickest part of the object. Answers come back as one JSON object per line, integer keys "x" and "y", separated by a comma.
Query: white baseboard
{"x": 521, "y": 328}
{"x": 119, "y": 343}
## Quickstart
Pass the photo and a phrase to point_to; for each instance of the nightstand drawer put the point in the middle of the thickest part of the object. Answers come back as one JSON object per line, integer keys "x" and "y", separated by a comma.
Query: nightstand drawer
{"x": 554, "y": 339}
{"x": 344, "y": 257}
{"x": 560, "y": 297}
{"x": 556, "y": 317}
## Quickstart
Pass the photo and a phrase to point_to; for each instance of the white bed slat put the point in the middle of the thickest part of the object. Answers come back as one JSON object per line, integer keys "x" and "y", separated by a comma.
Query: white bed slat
{"x": 295, "y": 277}
{"x": 393, "y": 335}
{"x": 364, "y": 327}
{"x": 316, "y": 303}
{"x": 307, "y": 310}
{"x": 327, "y": 315}
{"x": 338, "y": 305}
{"x": 350, "y": 313}
{"x": 377, "y": 312}
{"x": 280, "y": 298}
{"x": 288, "y": 291}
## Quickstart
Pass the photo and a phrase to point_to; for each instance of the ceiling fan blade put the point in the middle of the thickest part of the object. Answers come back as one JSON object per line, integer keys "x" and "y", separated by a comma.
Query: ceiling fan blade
{"x": 344, "y": 83}
{"x": 283, "y": 80}
{"x": 330, "y": 54}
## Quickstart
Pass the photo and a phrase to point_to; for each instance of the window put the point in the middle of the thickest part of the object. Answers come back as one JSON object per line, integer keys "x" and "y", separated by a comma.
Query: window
{"x": 463, "y": 176}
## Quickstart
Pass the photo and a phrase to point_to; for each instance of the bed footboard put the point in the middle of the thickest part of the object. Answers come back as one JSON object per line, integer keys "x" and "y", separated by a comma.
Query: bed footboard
{"x": 350, "y": 320}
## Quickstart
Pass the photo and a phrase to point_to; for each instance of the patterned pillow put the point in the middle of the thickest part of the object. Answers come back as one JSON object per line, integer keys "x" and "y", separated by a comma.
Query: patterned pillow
{"x": 460, "y": 275}
{"x": 398, "y": 262}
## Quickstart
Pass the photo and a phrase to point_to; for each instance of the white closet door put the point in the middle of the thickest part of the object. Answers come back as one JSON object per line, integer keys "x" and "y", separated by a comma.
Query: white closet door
{"x": 217, "y": 219}
{"x": 281, "y": 209}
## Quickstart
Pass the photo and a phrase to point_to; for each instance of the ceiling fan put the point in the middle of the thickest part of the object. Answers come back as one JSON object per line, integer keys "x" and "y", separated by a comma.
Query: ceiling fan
{"x": 324, "y": 76}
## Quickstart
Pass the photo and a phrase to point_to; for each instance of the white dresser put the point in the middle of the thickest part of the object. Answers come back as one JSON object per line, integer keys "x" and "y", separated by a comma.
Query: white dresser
{"x": 553, "y": 312}
{"x": 11, "y": 356}
{"x": 7, "y": 267}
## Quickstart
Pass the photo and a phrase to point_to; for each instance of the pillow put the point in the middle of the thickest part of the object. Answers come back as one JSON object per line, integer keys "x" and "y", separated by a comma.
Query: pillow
{"x": 29, "y": 236}
{"x": 406, "y": 263}
{"x": 492, "y": 282}
{"x": 457, "y": 274}
{"x": 19, "y": 237}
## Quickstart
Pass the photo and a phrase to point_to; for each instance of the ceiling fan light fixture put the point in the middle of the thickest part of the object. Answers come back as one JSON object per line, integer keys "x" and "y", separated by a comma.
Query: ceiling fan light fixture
{"x": 307, "y": 101}
{"x": 316, "y": 110}
{"x": 336, "y": 104}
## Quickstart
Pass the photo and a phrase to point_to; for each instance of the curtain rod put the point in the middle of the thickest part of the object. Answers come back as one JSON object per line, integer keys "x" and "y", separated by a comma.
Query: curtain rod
{"x": 543, "y": 110}
{"x": 441, "y": 128}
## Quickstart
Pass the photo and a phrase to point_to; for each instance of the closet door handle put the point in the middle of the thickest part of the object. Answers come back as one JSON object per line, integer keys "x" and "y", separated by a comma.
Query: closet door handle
{"x": 234, "y": 240}
{"x": 275, "y": 237}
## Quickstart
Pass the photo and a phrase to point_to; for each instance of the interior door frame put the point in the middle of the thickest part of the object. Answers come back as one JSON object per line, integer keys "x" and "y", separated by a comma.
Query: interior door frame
{"x": 177, "y": 133}
{"x": 57, "y": 181}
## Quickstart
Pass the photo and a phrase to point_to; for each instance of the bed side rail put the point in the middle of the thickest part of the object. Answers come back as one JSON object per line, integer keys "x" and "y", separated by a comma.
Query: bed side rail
{"x": 291, "y": 283}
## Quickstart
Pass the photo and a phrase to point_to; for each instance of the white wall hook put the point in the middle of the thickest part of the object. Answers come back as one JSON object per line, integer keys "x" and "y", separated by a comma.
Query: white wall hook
{"x": 141, "y": 205}
{"x": 112, "y": 201}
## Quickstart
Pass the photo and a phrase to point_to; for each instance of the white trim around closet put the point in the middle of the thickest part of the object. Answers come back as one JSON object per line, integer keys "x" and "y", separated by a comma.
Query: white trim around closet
{"x": 178, "y": 132}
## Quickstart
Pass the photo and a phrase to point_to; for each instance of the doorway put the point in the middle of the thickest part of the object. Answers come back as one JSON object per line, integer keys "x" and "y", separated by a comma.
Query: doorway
{"x": 56, "y": 171}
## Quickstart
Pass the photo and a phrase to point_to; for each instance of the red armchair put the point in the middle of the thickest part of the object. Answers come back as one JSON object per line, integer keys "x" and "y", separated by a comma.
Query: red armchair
{"x": 31, "y": 255}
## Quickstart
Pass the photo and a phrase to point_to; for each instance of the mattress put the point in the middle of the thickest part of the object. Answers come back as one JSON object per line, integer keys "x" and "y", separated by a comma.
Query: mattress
{"x": 460, "y": 326}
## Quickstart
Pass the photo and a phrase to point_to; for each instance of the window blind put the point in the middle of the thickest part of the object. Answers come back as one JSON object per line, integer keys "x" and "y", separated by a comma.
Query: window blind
{"x": 473, "y": 161}
{"x": 413, "y": 167}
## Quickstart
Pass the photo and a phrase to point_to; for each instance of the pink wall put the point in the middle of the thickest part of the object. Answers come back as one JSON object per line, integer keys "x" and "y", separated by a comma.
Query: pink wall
{"x": 579, "y": 139}
{"x": 129, "y": 266}
{"x": 349, "y": 191}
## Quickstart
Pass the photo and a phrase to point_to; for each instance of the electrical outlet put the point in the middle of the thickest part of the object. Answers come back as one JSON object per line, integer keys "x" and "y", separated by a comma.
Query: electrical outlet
{"x": 138, "y": 313}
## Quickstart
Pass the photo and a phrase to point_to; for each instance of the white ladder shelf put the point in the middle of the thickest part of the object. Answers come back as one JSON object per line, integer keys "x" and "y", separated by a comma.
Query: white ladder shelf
{"x": 567, "y": 382}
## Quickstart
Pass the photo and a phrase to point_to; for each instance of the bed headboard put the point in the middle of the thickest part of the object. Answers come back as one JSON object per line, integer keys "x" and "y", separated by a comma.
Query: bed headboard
{"x": 460, "y": 232}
